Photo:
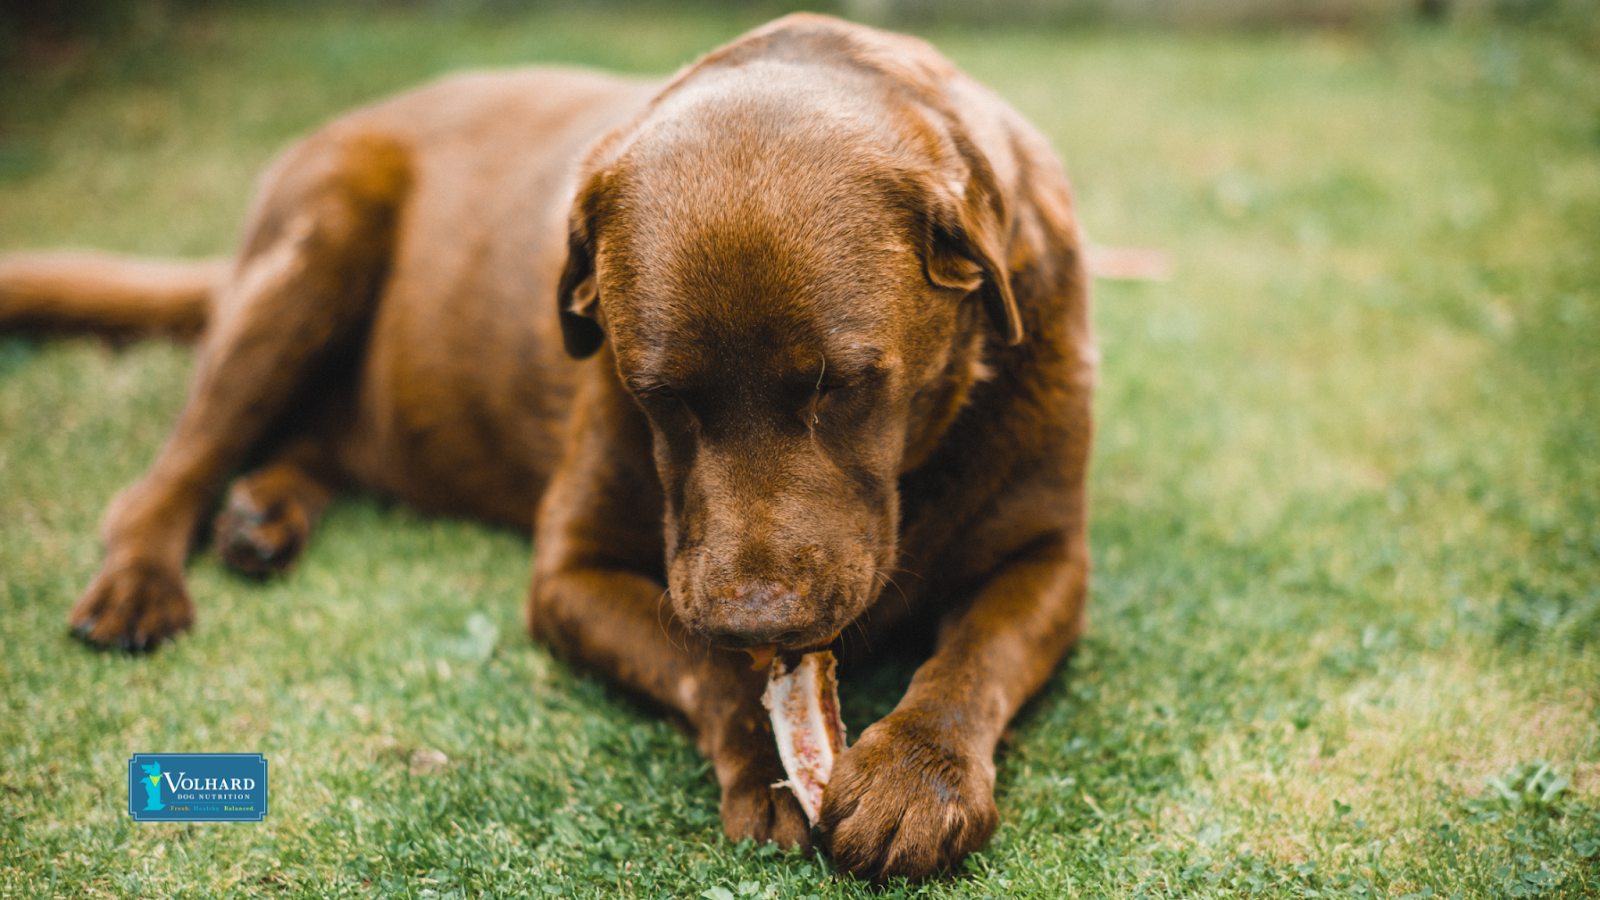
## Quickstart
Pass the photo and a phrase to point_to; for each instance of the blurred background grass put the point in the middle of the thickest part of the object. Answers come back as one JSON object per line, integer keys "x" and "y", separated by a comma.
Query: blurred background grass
{"x": 1345, "y": 633}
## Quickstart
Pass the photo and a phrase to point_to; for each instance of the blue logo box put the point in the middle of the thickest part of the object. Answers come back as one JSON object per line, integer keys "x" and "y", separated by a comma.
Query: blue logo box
{"x": 197, "y": 787}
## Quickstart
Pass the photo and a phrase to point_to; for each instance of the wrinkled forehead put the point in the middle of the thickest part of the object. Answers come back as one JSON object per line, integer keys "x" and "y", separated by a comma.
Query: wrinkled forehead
{"x": 747, "y": 292}
{"x": 751, "y": 238}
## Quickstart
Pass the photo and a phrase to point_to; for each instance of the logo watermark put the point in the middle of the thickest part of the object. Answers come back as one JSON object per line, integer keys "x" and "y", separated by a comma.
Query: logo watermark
{"x": 197, "y": 787}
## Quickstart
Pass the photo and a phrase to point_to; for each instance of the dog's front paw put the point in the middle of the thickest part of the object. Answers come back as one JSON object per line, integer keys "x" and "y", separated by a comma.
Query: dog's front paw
{"x": 907, "y": 799}
{"x": 133, "y": 606}
{"x": 753, "y": 808}
{"x": 258, "y": 536}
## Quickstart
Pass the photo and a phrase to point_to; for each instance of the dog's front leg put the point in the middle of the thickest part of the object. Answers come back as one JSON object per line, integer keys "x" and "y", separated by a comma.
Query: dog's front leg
{"x": 599, "y": 601}
{"x": 916, "y": 793}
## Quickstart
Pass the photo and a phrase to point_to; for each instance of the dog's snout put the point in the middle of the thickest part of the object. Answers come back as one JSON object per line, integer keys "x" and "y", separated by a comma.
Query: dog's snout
{"x": 755, "y": 613}
{"x": 761, "y": 595}
{"x": 744, "y": 641}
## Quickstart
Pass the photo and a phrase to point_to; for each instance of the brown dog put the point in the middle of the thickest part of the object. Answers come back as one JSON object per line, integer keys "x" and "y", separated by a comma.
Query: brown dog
{"x": 832, "y": 307}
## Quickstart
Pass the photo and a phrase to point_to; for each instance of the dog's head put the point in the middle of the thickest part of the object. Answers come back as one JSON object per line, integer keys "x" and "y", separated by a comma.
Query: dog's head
{"x": 797, "y": 267}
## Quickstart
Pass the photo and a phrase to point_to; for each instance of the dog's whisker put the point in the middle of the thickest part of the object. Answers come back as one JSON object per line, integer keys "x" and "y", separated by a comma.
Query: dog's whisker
{"x": 663, "y": 623}
{"x": 859, "y": 625}
{"x": 889, "y": 580}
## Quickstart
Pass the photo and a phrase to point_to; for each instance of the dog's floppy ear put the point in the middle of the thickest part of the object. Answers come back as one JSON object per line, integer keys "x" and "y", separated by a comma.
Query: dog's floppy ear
{"x": 577, "y": 294}
{"x": 967, "y": 242}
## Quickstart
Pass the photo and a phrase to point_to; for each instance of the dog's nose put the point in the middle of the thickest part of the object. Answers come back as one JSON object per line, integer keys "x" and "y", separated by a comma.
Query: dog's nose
{"x": 757, "y": 613}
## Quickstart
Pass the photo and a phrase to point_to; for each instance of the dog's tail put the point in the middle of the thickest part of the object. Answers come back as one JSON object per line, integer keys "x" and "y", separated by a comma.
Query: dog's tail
{"x": 105, "y": 294}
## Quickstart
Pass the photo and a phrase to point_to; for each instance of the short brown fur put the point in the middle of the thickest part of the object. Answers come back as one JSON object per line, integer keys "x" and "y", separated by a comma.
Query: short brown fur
{"x": 829, "y": 312}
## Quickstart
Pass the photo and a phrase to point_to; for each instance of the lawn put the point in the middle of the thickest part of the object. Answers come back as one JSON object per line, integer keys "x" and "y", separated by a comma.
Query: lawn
{"x": 1345, "y": 627}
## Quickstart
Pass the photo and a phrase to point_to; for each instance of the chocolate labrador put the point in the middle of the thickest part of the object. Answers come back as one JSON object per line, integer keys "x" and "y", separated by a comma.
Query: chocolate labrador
{"x": 795, "y": 342}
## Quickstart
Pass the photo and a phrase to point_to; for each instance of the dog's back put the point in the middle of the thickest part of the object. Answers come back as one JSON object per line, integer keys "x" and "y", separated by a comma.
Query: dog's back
{"x": 461, "y": 371}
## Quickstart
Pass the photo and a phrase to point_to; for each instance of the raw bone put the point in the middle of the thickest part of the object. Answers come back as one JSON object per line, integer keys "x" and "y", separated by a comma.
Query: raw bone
{"x": 804, "y": 705}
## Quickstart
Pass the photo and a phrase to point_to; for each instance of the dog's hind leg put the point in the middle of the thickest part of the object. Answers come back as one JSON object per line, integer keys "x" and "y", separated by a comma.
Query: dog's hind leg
{"x": 268, "y": 516}
{"x": 304, "y": 288}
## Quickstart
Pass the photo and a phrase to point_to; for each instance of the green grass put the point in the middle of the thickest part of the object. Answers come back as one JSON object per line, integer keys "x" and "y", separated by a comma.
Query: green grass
{"x": 1346, "y": 501}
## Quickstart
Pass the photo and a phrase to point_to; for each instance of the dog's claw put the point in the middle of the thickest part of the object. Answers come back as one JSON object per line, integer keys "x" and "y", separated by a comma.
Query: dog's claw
{"x": 132, "y": 607}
